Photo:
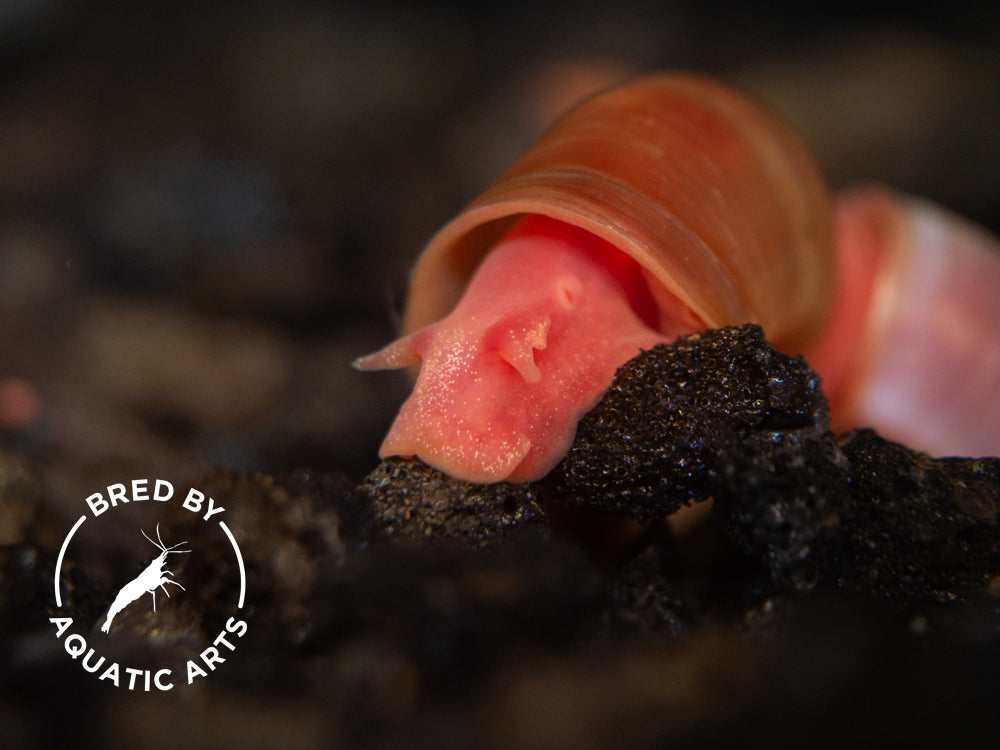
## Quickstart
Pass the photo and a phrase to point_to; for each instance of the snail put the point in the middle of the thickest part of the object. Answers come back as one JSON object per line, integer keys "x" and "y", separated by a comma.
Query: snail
{"x": 912, "y": 347}
{"x": 664, "y": 206}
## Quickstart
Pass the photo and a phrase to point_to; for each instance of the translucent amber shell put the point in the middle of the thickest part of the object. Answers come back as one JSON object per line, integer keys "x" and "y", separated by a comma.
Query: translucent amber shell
{"x": 714, "y": 197}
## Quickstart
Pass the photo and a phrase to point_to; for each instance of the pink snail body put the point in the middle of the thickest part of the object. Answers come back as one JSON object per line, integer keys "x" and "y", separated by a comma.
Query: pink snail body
{"x": 664, "y": 206}
{"x": 913, "y": 343}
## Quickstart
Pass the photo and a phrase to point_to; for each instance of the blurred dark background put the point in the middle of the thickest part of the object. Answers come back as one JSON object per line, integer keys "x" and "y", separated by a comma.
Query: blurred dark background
{"x": 208, "y": 209}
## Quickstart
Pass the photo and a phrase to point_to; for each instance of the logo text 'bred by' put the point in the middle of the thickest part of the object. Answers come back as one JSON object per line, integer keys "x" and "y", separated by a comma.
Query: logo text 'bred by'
{"x": 162, "y": 491}
{"x": 154, "y": 576}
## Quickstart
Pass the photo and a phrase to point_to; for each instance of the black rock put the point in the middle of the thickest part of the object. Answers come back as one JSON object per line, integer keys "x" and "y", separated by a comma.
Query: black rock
{"x": 416, "y": 503}
{"x": 674, "y": 414}
{"x": 919, "y": 527}
{"x": 721, "y": 415}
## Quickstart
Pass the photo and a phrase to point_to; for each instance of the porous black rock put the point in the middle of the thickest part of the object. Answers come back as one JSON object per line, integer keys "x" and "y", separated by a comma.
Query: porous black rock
{"x": 920, "y": 527}
{"x": 721, "y": 415}
{"x": 867, "y": 514}
{"x": 787, "y": 502}
{"x": 416, "y": 503}
{"x": 655, "y": 441}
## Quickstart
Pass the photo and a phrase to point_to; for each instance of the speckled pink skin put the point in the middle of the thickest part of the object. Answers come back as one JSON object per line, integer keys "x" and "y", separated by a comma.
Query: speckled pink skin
{"x": 549, "y": 316}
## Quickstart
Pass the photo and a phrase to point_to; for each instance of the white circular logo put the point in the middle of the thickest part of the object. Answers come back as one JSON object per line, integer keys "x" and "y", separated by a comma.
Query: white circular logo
{"x": 91, "y": 647}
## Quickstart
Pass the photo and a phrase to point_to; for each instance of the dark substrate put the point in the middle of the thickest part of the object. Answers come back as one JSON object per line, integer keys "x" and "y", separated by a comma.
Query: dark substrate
{"x": 842, "y": 590}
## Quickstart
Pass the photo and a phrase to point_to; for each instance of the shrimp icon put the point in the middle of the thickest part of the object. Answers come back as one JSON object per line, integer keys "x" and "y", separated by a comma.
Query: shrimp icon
{"x": 154, "y": 575}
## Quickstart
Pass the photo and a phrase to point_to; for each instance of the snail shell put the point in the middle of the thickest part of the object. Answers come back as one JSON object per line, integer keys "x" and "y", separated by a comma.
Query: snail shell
{"x": 716, "y": 199}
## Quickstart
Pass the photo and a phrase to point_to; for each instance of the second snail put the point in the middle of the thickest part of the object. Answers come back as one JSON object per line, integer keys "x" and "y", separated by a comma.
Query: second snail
{"x": 673, "y": 204}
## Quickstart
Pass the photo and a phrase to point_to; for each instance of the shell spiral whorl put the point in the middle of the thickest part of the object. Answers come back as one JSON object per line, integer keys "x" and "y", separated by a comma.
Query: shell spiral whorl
{"x": 714, "y": 197}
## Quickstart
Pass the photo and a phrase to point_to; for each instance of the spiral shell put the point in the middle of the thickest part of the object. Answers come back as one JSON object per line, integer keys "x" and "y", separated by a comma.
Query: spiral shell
{"x": 716, "y": 199}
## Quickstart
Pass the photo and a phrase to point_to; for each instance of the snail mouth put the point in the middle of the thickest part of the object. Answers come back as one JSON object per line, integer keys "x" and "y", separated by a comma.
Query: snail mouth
{"x": 475, "y": 456}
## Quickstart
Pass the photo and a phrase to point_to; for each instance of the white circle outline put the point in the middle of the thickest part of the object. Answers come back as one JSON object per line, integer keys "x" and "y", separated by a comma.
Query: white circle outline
{"x": 62, "y": 554}
{"x": 239, "y": 560}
